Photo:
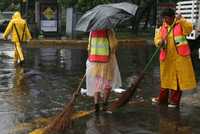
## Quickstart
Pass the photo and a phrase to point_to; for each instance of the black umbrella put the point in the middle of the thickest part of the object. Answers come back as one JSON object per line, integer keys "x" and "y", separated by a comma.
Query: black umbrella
{"x": 106, "y": 16}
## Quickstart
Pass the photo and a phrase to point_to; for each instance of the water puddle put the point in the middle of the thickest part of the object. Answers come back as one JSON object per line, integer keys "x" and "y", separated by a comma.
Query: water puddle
{"x": 32, "y": 94}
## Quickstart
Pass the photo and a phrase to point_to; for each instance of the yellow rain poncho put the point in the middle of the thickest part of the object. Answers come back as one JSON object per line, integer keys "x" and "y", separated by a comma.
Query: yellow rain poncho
{"x": 20, "y": 32}
{"x": 176, "y": 70}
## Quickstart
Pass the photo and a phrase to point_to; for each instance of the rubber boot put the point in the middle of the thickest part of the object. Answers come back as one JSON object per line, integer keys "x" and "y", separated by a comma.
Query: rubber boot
{"x": 97, "y": 108}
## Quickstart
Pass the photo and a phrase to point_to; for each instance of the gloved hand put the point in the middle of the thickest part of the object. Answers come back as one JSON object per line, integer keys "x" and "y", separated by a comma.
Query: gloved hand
{"x": 178, "y": 16}
{"x": 4, "y": 37}
{"x": 162, "y": 43}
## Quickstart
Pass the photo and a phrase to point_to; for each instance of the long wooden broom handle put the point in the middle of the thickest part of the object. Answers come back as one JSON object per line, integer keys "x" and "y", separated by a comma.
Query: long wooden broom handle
{"x": 77, "y": 91}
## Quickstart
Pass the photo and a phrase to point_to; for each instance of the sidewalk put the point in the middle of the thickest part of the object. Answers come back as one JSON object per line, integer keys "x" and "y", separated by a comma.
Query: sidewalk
{"x": 75, "y": 43}
{"x": 80, "y": 43}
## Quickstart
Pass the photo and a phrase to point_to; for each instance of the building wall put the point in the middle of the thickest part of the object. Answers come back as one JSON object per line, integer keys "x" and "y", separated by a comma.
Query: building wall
{"x": 47, "y": 17}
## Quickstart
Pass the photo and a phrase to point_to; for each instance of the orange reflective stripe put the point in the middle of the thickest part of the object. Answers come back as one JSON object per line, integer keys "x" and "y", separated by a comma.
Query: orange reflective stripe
{"x": 180, "y": 39}
{"x": 99, "y": 33}
{"x": 99, "y": 46}
{"x": 100, "y": 58}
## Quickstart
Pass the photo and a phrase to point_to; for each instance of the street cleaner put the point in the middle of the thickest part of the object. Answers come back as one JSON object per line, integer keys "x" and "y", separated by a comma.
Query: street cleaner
{"x": 20, "y": 32}
{"x": 176, "y": 70}
{"x": 102, "y": 72}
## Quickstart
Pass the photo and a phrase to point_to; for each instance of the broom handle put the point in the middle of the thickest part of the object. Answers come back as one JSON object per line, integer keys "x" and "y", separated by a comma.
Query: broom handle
{"x": 157, "y": 49}
{"x": 151, "y": 59}
{"x": 145, "y": 68}
{"x": 77, "y": 91}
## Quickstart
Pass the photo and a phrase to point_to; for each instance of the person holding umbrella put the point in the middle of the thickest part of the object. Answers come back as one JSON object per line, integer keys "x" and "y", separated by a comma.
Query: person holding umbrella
{"x": 176, "y": 70}
{"x": 102, "y": 73}
{"x": 20, "y": 32}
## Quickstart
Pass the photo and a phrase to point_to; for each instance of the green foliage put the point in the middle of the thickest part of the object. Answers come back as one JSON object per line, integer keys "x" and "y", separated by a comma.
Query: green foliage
{"x": 4, "y": 4}
{"x": 67, "y": 3}
{"x": 84, "y": 5}
{"x": 172, "y": 1}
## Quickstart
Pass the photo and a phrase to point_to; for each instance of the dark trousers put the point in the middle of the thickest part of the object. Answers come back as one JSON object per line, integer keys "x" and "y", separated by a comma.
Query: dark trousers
{"x": 173, "y": 95}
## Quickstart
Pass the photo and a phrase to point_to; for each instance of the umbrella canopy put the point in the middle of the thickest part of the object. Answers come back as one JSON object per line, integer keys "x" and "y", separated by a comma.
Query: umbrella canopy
{"x": 106, "y": 16}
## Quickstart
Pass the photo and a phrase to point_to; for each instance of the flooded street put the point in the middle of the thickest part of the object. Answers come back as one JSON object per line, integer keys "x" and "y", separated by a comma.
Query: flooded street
{"x": 38, "y": 90}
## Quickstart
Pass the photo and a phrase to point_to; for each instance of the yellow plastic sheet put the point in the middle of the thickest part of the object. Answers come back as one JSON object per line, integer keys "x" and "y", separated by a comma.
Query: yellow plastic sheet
{"x": 38, "y": 131}
{"x": 76, "y": 115}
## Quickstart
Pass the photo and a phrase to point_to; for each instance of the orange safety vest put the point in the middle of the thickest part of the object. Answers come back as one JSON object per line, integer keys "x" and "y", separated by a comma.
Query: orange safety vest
{"x": 181, "y": 43}
{"x": 99, "y": 50}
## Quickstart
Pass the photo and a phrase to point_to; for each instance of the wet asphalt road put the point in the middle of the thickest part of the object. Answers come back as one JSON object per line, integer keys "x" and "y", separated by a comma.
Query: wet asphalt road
{"x": 39, "y": 89}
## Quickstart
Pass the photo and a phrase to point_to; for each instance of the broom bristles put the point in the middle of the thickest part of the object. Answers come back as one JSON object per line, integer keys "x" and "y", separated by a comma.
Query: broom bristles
{"x": 125, "y": 97}
{"x": 62, "y": 121}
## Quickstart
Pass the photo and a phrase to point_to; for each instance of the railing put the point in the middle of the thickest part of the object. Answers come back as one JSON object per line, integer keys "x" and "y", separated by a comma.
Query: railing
{"x": 191, "y": 11}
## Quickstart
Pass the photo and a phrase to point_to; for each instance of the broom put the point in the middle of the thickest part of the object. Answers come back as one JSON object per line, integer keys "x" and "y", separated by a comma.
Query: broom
{"x": 124, "y": 98}
{"x": 64, "y": 119}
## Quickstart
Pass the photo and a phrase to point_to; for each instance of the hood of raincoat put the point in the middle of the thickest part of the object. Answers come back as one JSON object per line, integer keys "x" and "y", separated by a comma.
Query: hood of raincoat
{"x": 16, "y": 15}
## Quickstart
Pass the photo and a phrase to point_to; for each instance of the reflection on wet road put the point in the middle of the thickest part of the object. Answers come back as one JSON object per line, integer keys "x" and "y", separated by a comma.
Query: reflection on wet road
{"x": 29, "y": 95}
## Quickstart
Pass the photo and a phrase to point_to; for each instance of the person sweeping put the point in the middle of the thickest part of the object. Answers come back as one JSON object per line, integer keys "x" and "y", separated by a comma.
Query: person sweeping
{"x": 176, "y": 70}
{"x": 102, "y": 72}
{"x": 20, "y": 32}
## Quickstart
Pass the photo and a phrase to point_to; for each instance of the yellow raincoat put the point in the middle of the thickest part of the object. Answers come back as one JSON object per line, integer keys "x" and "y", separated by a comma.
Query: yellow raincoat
{"x": 176, "y": 70}
{"x": 22, "y": 31}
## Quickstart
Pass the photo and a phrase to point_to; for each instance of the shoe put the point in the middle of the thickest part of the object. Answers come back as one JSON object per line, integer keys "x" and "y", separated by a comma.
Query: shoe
{"x": 155, "y": 100}
{"x": 96, "y": 108}
{"x": 171, "y": 105}
{"x": 21, "y": 63}
{"x": 108, "y": 112}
